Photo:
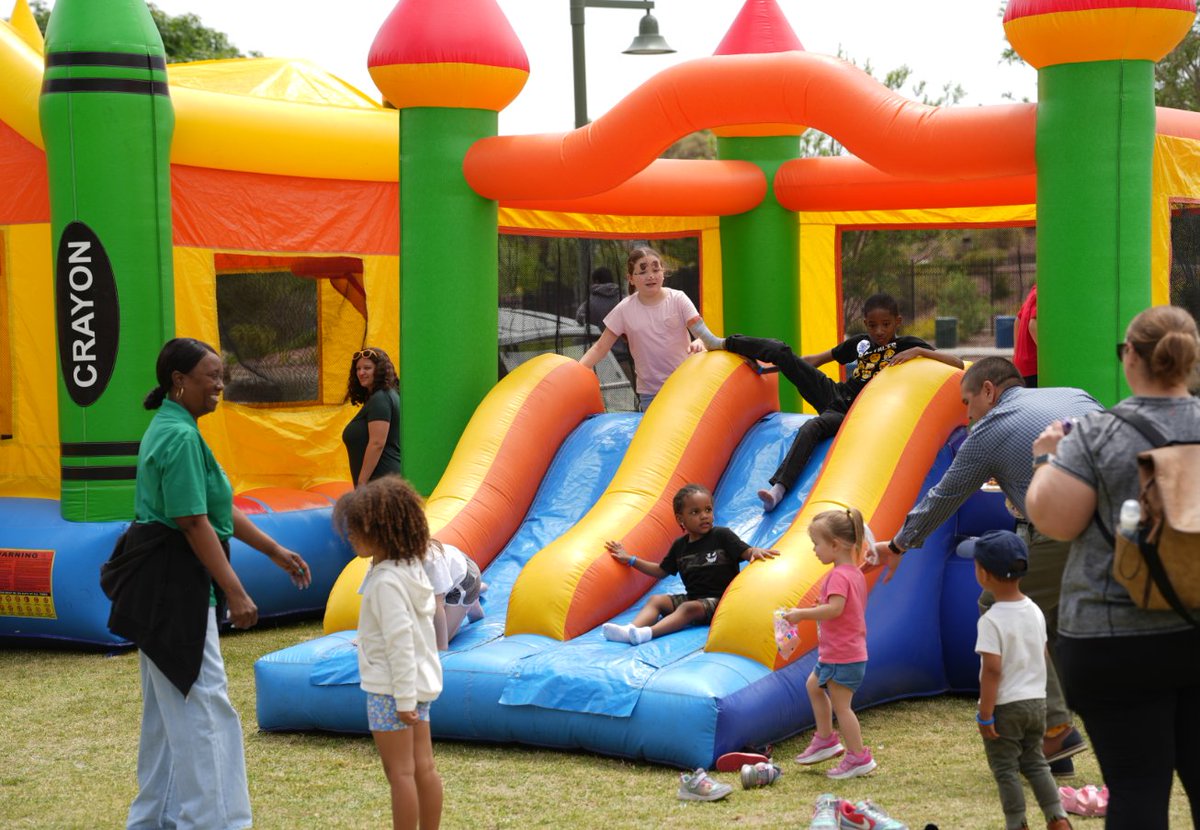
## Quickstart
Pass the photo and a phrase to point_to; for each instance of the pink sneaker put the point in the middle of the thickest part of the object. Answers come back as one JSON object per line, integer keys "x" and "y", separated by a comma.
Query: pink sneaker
{"x": 854, "y": 765}
{"x": 819, "y": 749}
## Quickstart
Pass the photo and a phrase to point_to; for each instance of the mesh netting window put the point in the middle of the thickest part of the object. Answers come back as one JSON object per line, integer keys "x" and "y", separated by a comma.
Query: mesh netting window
{"x": 268, "y": 323}
{"x": 1185, "y": 258}
{"x": 546, "y": 296}
{"x": 969, "y": 276}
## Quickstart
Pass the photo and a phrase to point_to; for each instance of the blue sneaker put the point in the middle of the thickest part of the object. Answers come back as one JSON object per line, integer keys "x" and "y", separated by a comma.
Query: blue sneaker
{"x": 880, "y": 819}
{"x": 825, "y": 812}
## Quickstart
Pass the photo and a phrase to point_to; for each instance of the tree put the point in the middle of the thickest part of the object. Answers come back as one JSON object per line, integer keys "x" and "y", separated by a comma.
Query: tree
{"x": 1177, "y": 76}
{"x": 185, "y": 38}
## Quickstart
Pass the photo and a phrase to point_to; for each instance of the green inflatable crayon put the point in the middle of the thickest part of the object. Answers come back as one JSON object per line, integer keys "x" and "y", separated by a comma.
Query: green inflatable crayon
{"x": 107, "y": 121}
{"x": 1095, "y": 154}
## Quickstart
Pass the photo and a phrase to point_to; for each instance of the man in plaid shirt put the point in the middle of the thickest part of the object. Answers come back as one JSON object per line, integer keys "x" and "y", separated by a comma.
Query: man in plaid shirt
{"x": 1005, "y": 419}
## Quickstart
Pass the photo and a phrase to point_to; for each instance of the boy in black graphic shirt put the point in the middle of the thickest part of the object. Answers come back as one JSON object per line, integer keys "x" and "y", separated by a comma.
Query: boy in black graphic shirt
{"x": 872, "y": 352}
{"x": 706, "y": 559}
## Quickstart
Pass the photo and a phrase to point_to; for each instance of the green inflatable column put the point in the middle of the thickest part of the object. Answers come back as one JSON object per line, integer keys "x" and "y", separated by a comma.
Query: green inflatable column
{"x": 448, "y": 288}
{"x": 107, "y": 122}
{"x": 1095, "y": 149}
{"x": 760, "y": 255}
{"x": 449, "y": 83}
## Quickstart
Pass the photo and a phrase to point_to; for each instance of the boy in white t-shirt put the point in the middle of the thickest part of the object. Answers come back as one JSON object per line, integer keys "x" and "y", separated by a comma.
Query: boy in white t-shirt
{"x": 456, "y": 586}
{"x": 1011, "y": 644}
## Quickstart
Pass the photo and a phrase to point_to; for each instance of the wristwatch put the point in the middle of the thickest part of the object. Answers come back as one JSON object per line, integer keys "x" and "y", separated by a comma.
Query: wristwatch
{"x": 894, "y": 549}
{"x": 1044, "y": 458}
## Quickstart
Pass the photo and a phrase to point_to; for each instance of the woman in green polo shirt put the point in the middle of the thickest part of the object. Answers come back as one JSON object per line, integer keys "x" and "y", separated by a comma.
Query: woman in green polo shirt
{"x": 191, "y": 766}
{"x": 372, "y": 437}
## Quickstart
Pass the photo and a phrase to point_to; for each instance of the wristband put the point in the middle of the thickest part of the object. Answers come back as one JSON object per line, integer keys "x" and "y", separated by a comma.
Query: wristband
{"x": 892, "y": 547}
{"x": 632, "y": 559}
{"x": 983, "y": 722}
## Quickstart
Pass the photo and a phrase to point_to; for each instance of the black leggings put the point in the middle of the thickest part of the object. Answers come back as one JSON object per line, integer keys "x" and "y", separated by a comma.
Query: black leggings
{"x": 1139, "y": 698}
{"x": 823, "y": 394}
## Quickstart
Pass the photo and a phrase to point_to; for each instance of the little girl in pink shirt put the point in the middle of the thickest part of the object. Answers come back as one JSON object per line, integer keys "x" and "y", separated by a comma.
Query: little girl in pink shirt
{"x": 658, "y": 323}
{"x": 839, "y": 539}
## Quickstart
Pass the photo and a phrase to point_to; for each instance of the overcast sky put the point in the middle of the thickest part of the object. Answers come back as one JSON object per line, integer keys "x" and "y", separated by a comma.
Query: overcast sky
{"x": 942, "y": 41}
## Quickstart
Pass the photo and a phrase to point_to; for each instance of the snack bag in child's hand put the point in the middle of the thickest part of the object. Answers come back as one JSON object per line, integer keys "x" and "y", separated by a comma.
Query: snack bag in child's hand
{"x": 786, "y": 635}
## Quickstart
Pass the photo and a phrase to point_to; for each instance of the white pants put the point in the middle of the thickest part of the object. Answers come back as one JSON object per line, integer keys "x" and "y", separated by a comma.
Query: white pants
{"x": 191, "y": 767}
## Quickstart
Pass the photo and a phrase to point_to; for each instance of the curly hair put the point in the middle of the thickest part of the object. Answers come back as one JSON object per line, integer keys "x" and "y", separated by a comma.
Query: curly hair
{"x": 385, "y": 375}
{"x": 845, "y": 525}
{"x": 388, "y": 514}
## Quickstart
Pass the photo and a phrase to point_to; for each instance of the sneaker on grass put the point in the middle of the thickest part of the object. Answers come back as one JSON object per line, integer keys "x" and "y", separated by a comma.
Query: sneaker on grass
{"x": 819, "y": 749}
{"x": 825, "y": 812}
{"x": 882, "y": 821}
{"x": 853, "y": 765}
{"x": 697, "y": 786}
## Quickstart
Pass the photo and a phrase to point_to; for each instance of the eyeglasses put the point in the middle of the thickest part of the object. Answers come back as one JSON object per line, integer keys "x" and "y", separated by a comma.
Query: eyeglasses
{"x": 370, "y": 354}
{"x": 1121, "y": 351}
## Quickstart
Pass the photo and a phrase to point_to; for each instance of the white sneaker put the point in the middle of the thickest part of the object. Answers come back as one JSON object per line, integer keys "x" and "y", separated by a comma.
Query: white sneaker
{"x": 697, "y": 786}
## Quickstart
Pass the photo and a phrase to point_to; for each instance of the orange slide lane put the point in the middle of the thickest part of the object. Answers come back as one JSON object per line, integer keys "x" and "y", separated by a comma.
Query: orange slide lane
{"x": 688, "y": 435}
{"x": 888, "y": 131}
{"x": 877, "y": 463}
{"x": 496, "y": 468}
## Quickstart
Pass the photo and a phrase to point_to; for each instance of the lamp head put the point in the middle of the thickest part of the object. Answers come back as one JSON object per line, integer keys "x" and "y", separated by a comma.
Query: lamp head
{"x": 648, "y": 40}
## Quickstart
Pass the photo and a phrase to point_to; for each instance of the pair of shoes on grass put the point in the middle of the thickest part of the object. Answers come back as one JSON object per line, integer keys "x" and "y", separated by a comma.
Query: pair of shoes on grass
{"x": 822, "y": 748}
{"x": 833, "y": 813}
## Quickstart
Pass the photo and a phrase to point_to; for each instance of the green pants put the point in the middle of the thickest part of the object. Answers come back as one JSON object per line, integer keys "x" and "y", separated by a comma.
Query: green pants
{"x": 1017, "y": 752}
{"x": 1042, "y": 583}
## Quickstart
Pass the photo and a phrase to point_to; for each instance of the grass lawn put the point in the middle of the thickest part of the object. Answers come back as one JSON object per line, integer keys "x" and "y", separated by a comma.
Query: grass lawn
{"x": 70, "y": 728}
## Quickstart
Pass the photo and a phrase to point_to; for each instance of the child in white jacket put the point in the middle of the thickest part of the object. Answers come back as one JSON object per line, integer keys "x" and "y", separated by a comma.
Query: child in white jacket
{"x": 397, "y": 649}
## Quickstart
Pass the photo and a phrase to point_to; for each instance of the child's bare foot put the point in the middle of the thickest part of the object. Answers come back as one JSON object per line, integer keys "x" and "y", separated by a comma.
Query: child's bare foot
{"x": 771, "y": 497}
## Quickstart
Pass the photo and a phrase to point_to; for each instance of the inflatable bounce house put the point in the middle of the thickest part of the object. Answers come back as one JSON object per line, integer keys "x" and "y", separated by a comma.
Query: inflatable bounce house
{"x": 395, "y": 215}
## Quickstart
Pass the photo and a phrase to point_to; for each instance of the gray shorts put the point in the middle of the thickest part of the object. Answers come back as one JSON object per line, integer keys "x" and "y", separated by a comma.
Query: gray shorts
{"x": 709, "y": 603}
{"x": 466, "y": 592}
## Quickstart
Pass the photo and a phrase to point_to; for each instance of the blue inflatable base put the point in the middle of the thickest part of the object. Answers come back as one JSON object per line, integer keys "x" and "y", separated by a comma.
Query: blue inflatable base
{"x": 57, "y": 570}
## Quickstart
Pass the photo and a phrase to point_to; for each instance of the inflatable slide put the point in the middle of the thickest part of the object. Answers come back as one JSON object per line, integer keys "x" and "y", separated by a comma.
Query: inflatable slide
{"x": 536, "y": 670}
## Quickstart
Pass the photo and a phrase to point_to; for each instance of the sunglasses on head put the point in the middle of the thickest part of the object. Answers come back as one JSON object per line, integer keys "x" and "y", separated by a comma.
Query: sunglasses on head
{"x": 370, "y": 354}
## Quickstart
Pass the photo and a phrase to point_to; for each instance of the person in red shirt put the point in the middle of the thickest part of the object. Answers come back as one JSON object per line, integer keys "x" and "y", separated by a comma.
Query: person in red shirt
{"x": 1025, "y": 340}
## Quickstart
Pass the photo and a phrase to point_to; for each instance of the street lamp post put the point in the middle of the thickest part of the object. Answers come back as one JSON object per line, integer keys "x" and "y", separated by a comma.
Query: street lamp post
{"x": 647, "y": 42}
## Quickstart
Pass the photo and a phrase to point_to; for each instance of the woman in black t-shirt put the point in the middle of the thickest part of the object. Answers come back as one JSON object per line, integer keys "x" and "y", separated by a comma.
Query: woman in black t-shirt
{"x": 372, "y": 437}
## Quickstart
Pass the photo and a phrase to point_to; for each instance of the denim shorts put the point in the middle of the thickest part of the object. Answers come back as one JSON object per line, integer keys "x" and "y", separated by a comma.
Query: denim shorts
{"x": 382, "y": 716}
{"x": 849, "y": 675}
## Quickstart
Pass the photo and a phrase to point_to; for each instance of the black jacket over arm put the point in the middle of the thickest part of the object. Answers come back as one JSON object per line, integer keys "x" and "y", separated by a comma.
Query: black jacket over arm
{"x": 160, "y": 595}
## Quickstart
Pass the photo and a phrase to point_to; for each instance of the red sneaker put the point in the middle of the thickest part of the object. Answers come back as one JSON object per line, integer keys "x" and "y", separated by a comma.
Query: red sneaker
{"x": 733, "y": 761}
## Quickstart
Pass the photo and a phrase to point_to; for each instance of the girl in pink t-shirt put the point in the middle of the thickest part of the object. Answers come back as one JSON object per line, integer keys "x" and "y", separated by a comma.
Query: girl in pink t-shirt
{"x": 838, "y": 538}
{"x": 656, "y": 322}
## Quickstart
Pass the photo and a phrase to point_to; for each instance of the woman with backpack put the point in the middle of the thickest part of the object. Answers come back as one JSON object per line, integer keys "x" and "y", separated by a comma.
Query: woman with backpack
{"x": 1130, "y": 672}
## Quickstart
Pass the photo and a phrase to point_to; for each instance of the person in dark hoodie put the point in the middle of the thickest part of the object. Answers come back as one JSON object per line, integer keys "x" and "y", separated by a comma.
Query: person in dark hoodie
{"x": 191, "y": 767}
{"x": 602, "y": 299}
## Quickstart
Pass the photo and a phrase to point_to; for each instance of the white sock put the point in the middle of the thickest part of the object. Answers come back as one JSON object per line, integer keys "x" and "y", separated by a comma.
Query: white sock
{"x": 772, "y": 497}
{"x": 640, "y": 634}
{"x": 616, "y": 633}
